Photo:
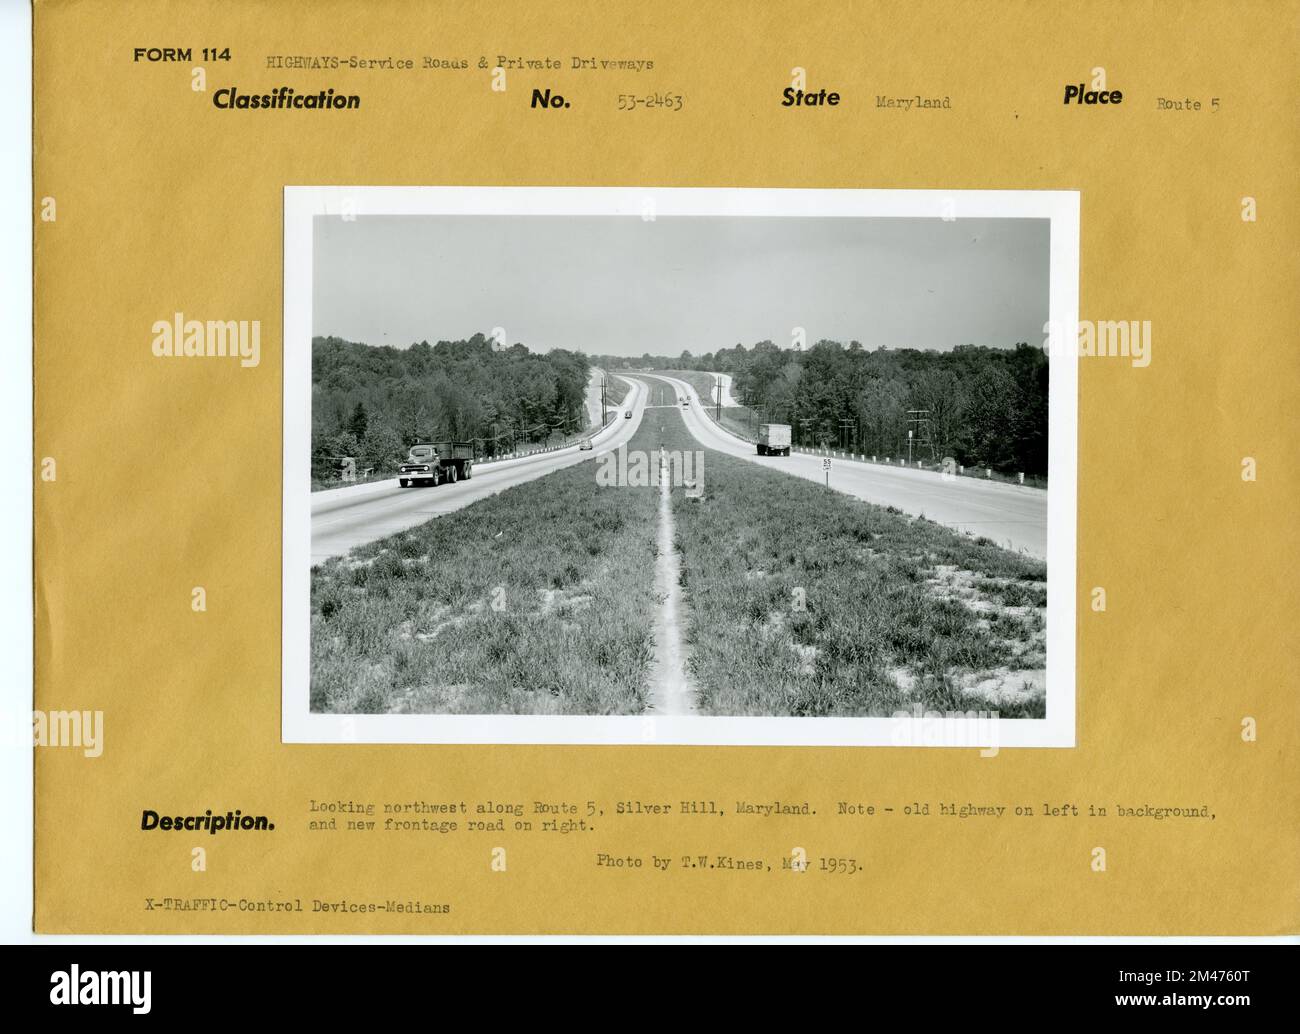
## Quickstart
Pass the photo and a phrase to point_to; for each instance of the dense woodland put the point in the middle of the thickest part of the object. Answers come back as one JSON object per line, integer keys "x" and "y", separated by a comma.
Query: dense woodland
{"x": 372, "y": 403}
{"x": 986, "y": 406}
{"x": 983, "y": 406}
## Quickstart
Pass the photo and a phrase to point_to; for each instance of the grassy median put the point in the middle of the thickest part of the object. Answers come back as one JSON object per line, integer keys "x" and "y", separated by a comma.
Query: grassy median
{"x": 807, "y": 602}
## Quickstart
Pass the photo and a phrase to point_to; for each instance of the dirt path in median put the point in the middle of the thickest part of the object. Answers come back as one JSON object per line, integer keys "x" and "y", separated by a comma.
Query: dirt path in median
{"x": 671, "y": 691}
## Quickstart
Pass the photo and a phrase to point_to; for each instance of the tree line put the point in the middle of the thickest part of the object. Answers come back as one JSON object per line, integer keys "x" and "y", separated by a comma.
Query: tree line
{"x": 981, "y": 406}
{"x": 372, "y": 403}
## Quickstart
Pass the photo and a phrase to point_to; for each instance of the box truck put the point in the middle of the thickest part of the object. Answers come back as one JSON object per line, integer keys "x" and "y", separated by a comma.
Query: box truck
{"x": 774, "y": 440}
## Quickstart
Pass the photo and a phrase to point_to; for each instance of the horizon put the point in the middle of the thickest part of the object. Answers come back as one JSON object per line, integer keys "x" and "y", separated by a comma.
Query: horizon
{"x": 845, "y": 345}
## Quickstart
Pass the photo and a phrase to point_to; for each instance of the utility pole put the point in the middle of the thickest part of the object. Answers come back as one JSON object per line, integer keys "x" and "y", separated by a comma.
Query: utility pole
{"x": 604, "y": 389}
{"x": 918, "y": 432}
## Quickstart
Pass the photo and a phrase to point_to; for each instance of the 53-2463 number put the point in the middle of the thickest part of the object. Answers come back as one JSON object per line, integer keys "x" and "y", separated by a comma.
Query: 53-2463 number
{"x": 650, "y": 101}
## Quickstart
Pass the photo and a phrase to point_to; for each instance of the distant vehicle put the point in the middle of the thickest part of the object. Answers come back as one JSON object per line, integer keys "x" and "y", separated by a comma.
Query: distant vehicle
{"x": 584, "y": 445}
{"x": 774, "y": 440}
{"x": 627, "y": 414}
{"x": 432, "y": 463}
{"x": 686, "y": 402}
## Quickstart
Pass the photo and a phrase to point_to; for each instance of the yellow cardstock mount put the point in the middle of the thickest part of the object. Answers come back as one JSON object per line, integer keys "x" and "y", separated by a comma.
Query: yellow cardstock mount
{"x": 169, "y": 474}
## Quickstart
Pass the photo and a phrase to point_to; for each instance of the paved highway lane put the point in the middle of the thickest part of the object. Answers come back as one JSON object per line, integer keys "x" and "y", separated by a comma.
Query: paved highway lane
{"x": 1013, "y": 516}
{"x": 342, "y": 518}
{"x": 723, "y": 380}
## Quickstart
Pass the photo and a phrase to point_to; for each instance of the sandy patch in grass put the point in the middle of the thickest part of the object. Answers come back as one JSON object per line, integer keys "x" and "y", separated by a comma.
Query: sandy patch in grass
{"x": 1005, "y": 688}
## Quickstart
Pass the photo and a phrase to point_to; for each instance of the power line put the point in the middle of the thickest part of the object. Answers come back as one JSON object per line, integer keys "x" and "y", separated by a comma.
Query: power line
{"x": 918, "y": 433}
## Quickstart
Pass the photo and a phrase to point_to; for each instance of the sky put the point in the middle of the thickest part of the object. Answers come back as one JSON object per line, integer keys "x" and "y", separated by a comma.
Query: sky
{"x": 613, "y": 285}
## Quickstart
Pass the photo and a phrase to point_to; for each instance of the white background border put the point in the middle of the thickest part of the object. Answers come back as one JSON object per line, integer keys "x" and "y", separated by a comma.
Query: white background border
{"x": 16, "y": 601}
{"x": 16, "y": 593}
{"x": 299, "y": 725}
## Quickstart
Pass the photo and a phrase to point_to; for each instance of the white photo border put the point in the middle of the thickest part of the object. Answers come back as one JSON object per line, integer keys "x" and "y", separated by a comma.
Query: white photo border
{"x": 300, "y": 725}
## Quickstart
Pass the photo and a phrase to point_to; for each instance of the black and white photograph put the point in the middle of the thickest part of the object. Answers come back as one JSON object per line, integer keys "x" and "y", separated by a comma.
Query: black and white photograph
{"x": 686, "y": 456}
